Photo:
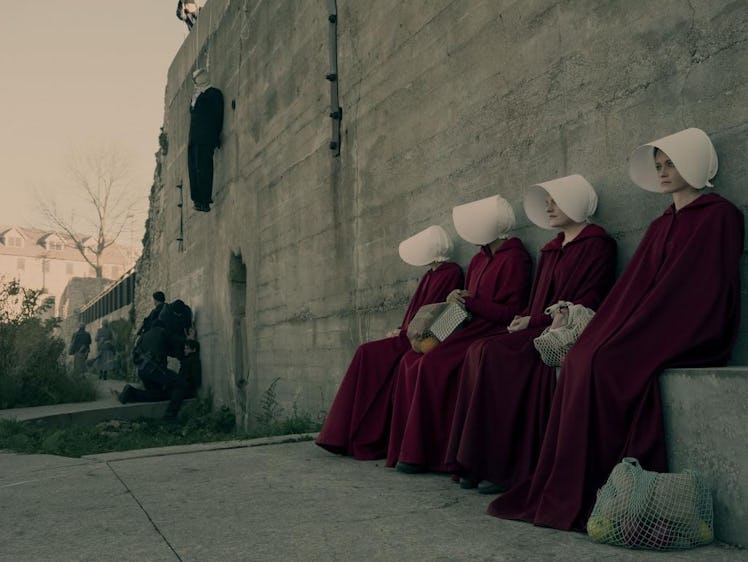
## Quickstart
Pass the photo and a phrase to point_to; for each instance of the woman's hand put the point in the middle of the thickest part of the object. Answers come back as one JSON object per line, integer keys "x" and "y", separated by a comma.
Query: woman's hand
{"x": 518, "y": 324}
{"x": 393, "y": 333}
{"x": 560, "y": 318}
{"x": 458, "y": 295}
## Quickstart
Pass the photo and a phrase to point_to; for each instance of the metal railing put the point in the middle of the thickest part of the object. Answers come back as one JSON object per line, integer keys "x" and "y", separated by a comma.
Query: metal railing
{"x": 119, "y": 294}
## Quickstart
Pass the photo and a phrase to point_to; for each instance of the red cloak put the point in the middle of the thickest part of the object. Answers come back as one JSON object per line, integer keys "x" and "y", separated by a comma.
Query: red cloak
{"x": 677, "y": 304}
{"x": 505, "y": 388}
{"x": 426, "y": 385}
{"x": 358, "y": 421}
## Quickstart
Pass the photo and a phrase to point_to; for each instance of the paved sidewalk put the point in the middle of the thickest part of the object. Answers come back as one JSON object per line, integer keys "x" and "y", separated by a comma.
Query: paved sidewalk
{"x": 264, "y": 501}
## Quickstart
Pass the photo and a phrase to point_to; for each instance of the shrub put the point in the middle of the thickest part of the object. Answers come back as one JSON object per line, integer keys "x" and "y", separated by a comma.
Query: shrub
{"x": 32, "y": 366}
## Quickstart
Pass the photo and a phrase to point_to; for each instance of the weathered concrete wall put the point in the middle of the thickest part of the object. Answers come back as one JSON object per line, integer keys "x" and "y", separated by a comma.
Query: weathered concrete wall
{"x": 78, "y": 292}
{"x": 444, "y": 102}
{"x": 716, "y": 446}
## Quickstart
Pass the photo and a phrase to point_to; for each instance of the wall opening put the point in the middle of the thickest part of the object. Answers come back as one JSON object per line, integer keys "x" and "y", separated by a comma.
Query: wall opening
{"x": 237, "y": 307}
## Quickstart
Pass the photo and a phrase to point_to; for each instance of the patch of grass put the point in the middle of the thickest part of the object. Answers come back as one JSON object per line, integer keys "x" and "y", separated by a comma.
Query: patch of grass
{"x": 199, "y": 423}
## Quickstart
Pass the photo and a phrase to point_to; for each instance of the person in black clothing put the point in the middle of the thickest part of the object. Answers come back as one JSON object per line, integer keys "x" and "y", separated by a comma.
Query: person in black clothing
{"x": 206, "y": 123}
{"x": 80, "y": 346}
{"x": 159, "y": 298}
{"x": 176, "y": 318}
{"x": 190, "y": 368}
{"x": 187, "y": 11}
{"x": 160, "y": 382}
{"x": 105, "y": 348}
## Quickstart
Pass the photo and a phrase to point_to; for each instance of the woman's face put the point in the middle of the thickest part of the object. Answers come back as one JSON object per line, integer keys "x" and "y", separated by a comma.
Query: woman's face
{"x": 556, "y": 217}
{"x": 670, "y": 179}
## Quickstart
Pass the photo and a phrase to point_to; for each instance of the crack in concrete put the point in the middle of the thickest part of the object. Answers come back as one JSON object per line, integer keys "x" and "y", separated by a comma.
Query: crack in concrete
{"x": 420, "y": 510}
{"x": 143, "y": 509}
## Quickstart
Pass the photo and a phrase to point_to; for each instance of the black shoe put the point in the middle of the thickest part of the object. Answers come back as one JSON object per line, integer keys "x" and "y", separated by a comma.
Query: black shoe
{"x": 203, "y": 207}
{"x": 468, "y": 482}
{"x": 486, "y": 487}
{"x": 126, "y": 394}
{"x": 409, "y": 468}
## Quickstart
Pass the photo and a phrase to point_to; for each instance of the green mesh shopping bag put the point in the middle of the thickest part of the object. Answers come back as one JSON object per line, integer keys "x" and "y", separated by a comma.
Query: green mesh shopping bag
{"x": 658, "y": 511}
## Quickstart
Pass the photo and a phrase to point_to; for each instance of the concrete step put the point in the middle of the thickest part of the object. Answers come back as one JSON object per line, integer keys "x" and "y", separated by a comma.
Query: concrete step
{"x": 105, "y": 407}
{"x": 706, "y": 424}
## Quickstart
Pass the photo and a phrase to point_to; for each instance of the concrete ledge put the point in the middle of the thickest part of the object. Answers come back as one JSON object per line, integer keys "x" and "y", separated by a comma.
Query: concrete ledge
{"x": 706, "y": 423}
{"x": 89, "y": 413}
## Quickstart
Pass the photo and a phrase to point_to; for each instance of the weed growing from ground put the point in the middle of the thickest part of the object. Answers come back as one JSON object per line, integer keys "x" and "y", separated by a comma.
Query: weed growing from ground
{"x": 271, "y": 421}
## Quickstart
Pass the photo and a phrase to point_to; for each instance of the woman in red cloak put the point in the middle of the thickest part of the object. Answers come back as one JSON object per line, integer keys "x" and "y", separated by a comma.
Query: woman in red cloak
{"x": 677, "y": 304}
{"x": 505, "y": 388}
{"x": 358, "y": 421}
{"x": 426, "y": 384}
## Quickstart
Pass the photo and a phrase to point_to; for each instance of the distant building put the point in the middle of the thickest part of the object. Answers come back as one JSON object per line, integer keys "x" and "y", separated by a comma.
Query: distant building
{"x": 46, "y": 260}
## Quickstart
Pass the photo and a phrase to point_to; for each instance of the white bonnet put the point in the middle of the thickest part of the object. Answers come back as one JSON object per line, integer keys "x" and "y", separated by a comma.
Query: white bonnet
{"x": 573, "y": 194}
{"x": 483, "y": 221}
{"x": 691, "y": 152}
{"x": 430, "y": 245}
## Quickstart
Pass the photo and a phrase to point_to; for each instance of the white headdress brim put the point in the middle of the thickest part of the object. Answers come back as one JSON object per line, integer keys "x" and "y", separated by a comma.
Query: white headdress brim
{"x": 483, "y": 221}
{"x": 573, "y": 194}
{"x": 690, "y": 150}
{"x": 430, "y": 245}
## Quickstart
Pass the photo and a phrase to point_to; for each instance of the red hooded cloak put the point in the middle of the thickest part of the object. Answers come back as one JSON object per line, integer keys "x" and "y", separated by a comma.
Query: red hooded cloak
{"x": 426, "y": 385}
{"x": 505, "y": 388}
{"x": 677, "y": 304}
{"x": 358, "y": 421}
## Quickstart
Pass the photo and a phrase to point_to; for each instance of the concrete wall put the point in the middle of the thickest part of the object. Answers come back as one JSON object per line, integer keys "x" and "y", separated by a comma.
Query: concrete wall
{"x": 444, "y": 102}
{"x": 78, "y": 292}
{"x": 716, "y": 446}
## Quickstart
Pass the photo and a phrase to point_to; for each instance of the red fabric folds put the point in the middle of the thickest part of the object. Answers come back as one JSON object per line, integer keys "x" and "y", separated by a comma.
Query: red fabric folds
{"x": 677, "y": 304}
{"x": 358, "y": 421}
{"x": 505, "y": 388}
{"x": 426, "y": 385}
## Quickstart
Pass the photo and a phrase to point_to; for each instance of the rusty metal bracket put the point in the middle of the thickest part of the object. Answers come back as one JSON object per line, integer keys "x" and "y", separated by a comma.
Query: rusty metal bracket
{"x": 180, "y": 204}
{"x": 336, "y": 112}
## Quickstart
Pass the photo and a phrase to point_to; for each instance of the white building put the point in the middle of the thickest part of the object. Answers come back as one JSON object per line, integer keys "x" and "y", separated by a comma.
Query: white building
{"x": 47, "y": 260}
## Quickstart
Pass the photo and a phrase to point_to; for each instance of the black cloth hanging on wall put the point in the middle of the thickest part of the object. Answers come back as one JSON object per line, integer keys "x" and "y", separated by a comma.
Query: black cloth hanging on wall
{"x": 206, "y": 123}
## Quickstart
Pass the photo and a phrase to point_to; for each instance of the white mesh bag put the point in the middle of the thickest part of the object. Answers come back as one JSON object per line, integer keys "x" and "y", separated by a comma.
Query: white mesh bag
{"x": 451, "y": 318}
{"x": 637, "y": 508}
{"x": 555, "y": 342}
{"x": 433, "y": 323}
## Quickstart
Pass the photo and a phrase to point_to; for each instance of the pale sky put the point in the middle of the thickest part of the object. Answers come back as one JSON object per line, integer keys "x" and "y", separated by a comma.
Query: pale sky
{"x": 77, "y": 74}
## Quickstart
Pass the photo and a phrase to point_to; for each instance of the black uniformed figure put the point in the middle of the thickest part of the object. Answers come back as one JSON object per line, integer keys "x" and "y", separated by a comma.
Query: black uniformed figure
{"x": 206, "y": 123}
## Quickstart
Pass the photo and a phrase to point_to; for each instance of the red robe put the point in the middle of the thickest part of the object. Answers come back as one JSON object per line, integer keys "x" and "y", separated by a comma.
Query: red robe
{"x": 358, "y": 421}
{"x": 677, "y": 304}
{"x": 426, "y": 385}
{"x": 505, "y": 388}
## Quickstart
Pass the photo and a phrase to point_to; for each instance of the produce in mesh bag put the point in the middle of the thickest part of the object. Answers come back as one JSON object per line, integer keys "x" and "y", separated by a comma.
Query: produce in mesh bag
{"x": 433, "y": 323}
{"x": 556, "y": 340}
{"x": 659, "y": 511}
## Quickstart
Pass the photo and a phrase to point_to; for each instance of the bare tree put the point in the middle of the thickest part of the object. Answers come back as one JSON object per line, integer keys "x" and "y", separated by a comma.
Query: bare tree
{"x": 101, "y": 184}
